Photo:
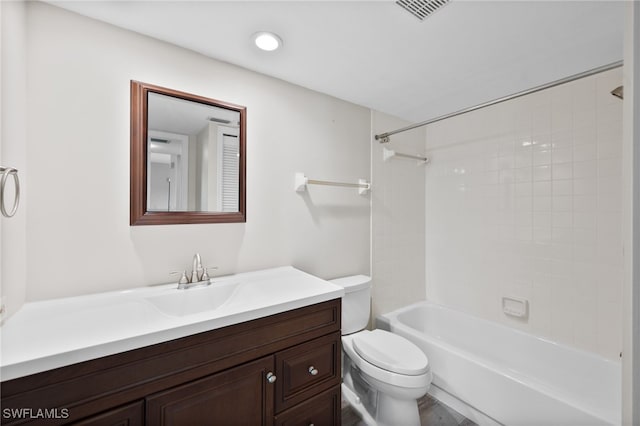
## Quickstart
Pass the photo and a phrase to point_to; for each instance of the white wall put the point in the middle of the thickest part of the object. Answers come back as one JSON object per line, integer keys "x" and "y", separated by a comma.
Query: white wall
{"x": 13, "y": 90}
{"x": 78, "y": 236}
{"x": 524, "y": 199}
{"x": 397, "y": 218}
{"x": 631, "y": 219}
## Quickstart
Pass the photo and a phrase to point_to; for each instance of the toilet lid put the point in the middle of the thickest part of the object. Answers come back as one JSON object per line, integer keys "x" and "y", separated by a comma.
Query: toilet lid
{"x": 391, "y": 352}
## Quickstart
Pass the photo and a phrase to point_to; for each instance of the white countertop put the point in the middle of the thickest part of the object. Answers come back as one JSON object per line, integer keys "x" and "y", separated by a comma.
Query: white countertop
{"x": 55, "y": 333}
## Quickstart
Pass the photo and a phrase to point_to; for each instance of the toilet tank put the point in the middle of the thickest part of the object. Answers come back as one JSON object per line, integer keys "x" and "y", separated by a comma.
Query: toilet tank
{"x": 356, "y": 302}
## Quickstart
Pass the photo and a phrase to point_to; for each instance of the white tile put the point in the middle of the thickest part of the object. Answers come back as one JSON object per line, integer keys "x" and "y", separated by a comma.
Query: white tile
{"x": 610, "y": 202}
{"x": 585, "y": 169}
{"x": 584, "y": 271}
{"x": 585, "y": 219}
{"x": 562, "y": 203}
{"x": 609, "y": 330}
{"x": 584, "y": 115}
{"x": 506, "y": 176}
{"x": 524, "y": 234}
{"x": 506, "y": 147}
{"x": 541, "y": 119}
{"x": 542, "y": 236}
{"x": 561, "y": 219}
{"x": 507, "y": 162}
{"x": 541, "y": 173}
{"x": 524, "y": 174}
{"x": 539, "y": 215}
{"x": 584, "y": 236}
{"x": 489, "y": 178}
{"x": 562, "y": 155}
{"x": 584, "y": 152}
{"x": 542, "y": 189}
{"x": 586, "y": 323}
{"x": 610, "y": 112}
{"x": 584, "y": 203}
{"x": 610, "y": 283}
{"x": 562, "y": 187}
{"x": 541, "y": 156}
{"x": 605, "y": 82}
{"x": 610, "y": 140}
{"x": 562, "y": 171}
{"x": 560, "y": 250}
{"x": 561, "y": 116}
{"x": 523, "y": 204}
{"x": 583, "y": 93}
{"x": 562, "y": 235}
{"x": 562, "y": 139}
{"x": 586, "y": 134}
{"x": 491, "y": 164}
{"x": 610, "y": 167}
{"x": 585, "y": 253}
{"x": 541, "y": 204}
{"x": 585, "y": 186}
{"x": 524, "y": 189}
{"x": 609, "y": 185}
{"x": 523, "y": 218}
{"x": 541, "y": 220}
{"x": 523, "y": 156}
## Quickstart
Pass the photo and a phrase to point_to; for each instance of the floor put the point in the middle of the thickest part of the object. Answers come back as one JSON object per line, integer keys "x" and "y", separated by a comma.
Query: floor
{"x": 432, "y": 413}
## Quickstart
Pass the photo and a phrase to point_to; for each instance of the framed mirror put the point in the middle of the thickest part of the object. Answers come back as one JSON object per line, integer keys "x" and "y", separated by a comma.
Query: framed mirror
{"x": 188, "y": 158}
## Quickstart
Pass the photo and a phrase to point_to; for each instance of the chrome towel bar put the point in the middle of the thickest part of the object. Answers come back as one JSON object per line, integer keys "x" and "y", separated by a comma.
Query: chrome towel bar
{"x": 6, "y": 172}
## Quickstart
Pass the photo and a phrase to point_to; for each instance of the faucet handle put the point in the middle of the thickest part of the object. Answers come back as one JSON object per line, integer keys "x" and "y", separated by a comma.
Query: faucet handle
{"x": 183, "y": 279}
{"x": 205, "y": 274}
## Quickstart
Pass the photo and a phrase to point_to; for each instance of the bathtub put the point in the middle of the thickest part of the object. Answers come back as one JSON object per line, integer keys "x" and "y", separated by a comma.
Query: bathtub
{"x": 506, "y": 375}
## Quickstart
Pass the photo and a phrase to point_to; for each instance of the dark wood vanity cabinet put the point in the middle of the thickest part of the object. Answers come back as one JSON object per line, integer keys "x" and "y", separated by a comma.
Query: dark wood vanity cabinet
{"x": 238, "y": 396}
{"x": 128, "y": 415}
{"x": 280, "y": 370}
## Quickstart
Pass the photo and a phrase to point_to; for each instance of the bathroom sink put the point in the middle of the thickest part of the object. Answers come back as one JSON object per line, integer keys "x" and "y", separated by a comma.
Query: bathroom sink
{"x": 191, "y": 301}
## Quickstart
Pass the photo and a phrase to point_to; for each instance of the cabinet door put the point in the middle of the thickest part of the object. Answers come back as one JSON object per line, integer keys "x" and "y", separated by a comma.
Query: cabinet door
{"x": 128, "y": 415}
{"x": 238, "y": 396}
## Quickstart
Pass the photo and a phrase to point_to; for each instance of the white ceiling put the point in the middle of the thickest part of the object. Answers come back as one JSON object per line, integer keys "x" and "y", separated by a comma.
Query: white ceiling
{"x": 184, "y": 117}
{"x": 375, "y": 54}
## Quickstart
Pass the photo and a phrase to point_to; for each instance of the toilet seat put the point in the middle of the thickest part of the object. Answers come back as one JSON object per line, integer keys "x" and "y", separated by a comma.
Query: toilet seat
{"x": 391, "y": 352}
{"x": 381, "y": 374}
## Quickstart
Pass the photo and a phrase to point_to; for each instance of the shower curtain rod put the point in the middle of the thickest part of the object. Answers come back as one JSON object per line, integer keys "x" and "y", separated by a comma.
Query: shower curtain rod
{"x": 384, "y": 137}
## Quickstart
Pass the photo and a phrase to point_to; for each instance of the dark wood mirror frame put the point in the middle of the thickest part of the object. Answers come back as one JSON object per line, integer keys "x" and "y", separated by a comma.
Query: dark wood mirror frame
{"x": 138, "y": 190}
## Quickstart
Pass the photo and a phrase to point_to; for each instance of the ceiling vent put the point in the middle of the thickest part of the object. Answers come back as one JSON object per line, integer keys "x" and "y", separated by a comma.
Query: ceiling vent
{"x": 421, "y": 9}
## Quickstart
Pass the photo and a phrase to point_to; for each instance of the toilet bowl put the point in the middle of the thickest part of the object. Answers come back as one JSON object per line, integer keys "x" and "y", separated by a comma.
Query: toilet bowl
{"x": 384, "y": 373}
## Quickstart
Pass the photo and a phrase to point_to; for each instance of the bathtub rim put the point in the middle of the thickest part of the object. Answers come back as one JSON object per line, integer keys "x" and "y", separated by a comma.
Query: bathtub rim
{"x": 391, "y": 319}
{"x": 394, "y": 314}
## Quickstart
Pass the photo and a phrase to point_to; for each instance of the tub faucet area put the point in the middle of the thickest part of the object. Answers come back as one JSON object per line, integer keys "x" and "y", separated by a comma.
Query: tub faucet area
{"x": 199, "y": 276}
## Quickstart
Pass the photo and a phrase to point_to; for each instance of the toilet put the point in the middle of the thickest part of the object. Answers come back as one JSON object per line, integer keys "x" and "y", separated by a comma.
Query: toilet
{"x": 384, "y": 374}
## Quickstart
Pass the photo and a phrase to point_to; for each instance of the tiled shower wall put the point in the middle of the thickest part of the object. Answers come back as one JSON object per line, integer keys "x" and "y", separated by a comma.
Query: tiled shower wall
{"x": 523, "y": 199}
{"x": 397, "y": 218}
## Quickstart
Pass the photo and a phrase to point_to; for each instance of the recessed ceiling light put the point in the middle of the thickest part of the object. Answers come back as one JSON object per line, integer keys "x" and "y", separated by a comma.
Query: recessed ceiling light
{"x": 267, "y": 41}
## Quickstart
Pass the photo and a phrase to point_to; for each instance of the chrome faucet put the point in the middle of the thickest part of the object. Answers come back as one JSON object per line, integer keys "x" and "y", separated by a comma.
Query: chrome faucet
{"x": 199, "y": 276}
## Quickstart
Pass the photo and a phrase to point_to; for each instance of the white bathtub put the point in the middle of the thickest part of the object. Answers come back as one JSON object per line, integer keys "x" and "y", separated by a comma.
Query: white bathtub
{"x": 512, "y": 377}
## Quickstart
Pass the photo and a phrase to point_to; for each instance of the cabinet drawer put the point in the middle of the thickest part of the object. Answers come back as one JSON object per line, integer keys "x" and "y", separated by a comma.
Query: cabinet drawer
{"x": 321, "y": 410}
{"x": 307, "y": 369}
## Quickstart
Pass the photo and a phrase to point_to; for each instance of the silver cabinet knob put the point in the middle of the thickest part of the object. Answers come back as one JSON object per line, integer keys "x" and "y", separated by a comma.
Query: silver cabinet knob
{"x": 313, "y": 371}
{"x": 271, "y": 377}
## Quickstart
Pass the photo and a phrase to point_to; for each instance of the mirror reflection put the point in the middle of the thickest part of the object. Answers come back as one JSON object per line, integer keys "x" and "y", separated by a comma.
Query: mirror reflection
{"x": 188, "y": 158}
{"x": 193, "y": 156}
